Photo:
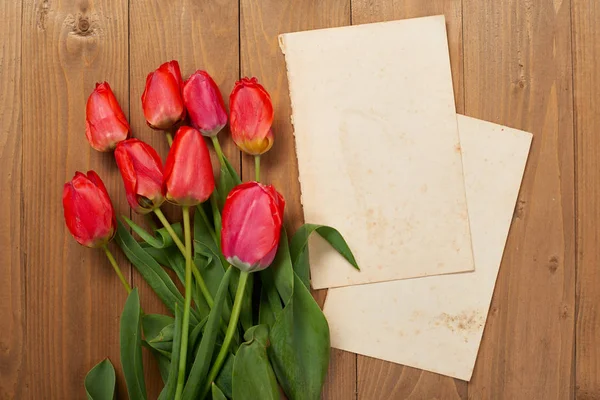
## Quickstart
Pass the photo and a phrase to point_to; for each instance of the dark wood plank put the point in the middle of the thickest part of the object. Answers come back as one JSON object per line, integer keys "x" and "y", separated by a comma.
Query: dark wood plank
{"x": 586, "y": 55}
{"x": 12, "y": 283}
{"x": 261, "y": 22}
{"x": 200, "y": 35}
{"x": 377, "y": 378}
{"x": 74, "y": 299}
{"x": 517, "y": 57}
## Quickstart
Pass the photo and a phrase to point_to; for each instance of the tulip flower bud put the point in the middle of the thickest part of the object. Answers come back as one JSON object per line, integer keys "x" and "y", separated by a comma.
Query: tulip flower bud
{"x": 251, "y": 117}
{"x": 89, "y": 213}
{"x": 251, "y": 225}
{"x": 204, "y": 103}
{"x": 188, "y": 175}
{"x": 161, "y": 101}
{"x": 105, "y": 122}
{"x": 142, "y": 172}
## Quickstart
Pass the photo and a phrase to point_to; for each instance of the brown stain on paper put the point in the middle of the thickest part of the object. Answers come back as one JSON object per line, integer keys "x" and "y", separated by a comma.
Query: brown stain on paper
{"x": 466, "y": 322}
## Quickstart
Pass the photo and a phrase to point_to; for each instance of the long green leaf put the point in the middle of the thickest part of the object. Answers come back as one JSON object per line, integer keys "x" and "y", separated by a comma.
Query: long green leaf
{"x": 300, "y": 347}
{"x": 168, "y": 391}
{"x": 164, "y": 364}
{"x": 225, "y": 378}
{"x": 100, "y": 381}
{"x": 131, "y": 347}
{"x": 228, "y": 179}
{"x": 204, "y": 355}
{"x": 253, "y": 376}
{"x": 151, "y": 271}
{"x": 162, "y": 239}
{"x": 282, "y": 270}
{"x": 153, "y": 324}
{"x": 216, "y": 393}
{"x": 299, "y": 248}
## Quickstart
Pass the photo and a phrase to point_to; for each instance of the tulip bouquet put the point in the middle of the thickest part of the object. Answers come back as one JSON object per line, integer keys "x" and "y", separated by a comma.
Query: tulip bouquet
{"x": 245, "y": 325}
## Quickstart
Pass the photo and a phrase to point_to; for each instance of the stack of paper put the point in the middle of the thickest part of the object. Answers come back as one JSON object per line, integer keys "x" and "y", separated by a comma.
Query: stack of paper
{"x": 416, "y": 190}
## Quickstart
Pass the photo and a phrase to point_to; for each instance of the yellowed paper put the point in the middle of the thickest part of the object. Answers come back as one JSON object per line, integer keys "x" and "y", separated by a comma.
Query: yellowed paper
{"x": 436, "y": 323}
{"x": 378, "y": 149}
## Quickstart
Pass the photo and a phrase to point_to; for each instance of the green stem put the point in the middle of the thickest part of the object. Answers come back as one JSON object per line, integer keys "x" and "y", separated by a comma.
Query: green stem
{"x": 169, "y": 138}
{"x": 115, "y": 266}
{"x": 187, "y": 303}
{"x": 235, "y": 315}
{"x": 218, "y": 149}
{"x": 195, "y": 271}
{"x": 257, "y": 168}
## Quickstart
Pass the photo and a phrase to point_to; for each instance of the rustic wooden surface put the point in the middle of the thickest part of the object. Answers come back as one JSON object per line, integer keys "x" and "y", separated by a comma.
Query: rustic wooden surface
{"x": 527, "y": 64}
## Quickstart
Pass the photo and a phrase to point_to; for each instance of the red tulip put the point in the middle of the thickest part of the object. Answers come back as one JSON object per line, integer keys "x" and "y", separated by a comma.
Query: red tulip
{"x": 204, "y": 103}
{"x": 89, "y": 213}
{"x": 105, "y": 122}
{"x": 142, "y": 172}
{"x": 188, "y": 176}
{"x": 162, "y": 101}
{"x": 251, "y": 225}
{"x": 251, "y": 117}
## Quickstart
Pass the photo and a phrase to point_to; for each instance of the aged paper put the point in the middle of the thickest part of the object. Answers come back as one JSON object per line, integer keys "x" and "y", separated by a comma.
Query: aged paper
{"x": 378, "y": 149}
{"x": 436, "y": 323}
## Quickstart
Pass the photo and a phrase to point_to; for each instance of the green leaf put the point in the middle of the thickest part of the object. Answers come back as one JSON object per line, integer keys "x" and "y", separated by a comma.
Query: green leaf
{"x": 160, "y": 255}
{"x": 168, "y": 391}
{"x": 253, "y": 376}
{"x": 131, "y": 347}
{"x": 216, "y": 393}
{"x": 100, "y": 381}
{"x": 299, "y": 248}
{"x": 228, "y": 179}
{"x": 177, "y": 263}
{"x": 162, "y": 239}
{"x": 151, "y": 271}
{"x": 302, "y": 267}
{"x": 164, "y": 364}
{"x": 205, "y": 351}
{"x": 196, "y": 334}
{"x": 153, "y": 324}
{"x": 300, "y": 347}
{"x": 281, "y": 268}
{"x": 266, "y": 315}
{"x": 225, "y": 378}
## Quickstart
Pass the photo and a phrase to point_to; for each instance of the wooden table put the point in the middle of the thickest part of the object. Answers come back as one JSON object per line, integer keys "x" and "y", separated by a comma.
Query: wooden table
{"x": 523, "y": 63}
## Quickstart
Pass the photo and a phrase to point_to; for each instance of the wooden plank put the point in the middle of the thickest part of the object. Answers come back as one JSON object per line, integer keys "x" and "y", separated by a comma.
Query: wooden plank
{"x": 12, "y": 284}
{"x": 377, "y": 378}
{"x": 261, "y": 22}
{"x": 586, "y": 79}
{"x": 74, "y": 299}
{"x": 200, "y": 35}
{"x": 517, "y": 57}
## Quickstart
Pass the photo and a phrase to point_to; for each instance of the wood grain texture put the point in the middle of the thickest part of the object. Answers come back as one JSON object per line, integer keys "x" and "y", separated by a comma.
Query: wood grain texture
{"x": 532, "y": 65}
{"x": 12, "y": 284}
{"x": 199, "y": 35}
{"x": 377, "y": 378}
{"x": 261, "y": 21}
{"x": 517, "y": 57}
{"x": 74, "y": 299}
{"x": 586, "y": 78}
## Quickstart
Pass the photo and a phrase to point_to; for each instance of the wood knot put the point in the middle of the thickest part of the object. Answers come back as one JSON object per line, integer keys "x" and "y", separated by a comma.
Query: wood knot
{"x": 82, "y": 26}
{"x": 553, "y": 264}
